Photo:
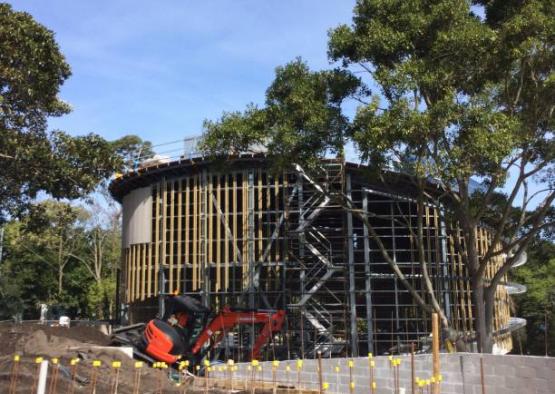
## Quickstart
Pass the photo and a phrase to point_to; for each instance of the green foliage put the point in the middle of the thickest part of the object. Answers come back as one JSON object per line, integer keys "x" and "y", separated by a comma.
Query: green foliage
{"x": 539, "y": 300}
{"x": 131, "y": 148}
{"x": 32, "y": 70}
{"x": 302, "y": 119}
{"x": 462, "y": 92}
{"x": 101, "y": 298}
{"x": 59, "y": 254}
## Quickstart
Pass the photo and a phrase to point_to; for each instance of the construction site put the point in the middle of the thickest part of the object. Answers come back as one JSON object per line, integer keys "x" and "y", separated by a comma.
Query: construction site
{"x": 238, "y": 279}
{"x": 236, "y": 233}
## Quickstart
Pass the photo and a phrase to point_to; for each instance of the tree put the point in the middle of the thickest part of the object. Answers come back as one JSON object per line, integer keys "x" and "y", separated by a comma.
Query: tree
{"x": 465, "y": 100}
{"x": 132, "y": 149}
{"x": 32, "y": 69}
{"x": 52, "y": 233}
{"x": 31, "y": 264}
{"x": 61, "y": 254}
{"x": 99, "y": 254}
{"x": 538, "y": 303}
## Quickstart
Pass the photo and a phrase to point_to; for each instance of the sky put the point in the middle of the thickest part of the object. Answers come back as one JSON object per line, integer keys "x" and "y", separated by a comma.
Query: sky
{"x": 159, "y": 68}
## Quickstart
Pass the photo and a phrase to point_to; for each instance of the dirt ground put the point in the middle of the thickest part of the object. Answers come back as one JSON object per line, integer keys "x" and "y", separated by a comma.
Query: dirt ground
{"x": 31, "y": 341}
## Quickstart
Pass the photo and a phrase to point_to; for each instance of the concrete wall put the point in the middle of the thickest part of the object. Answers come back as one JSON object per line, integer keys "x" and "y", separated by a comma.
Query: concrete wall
{"x": 460, "y": 372}
{"x": 137, "y": 217}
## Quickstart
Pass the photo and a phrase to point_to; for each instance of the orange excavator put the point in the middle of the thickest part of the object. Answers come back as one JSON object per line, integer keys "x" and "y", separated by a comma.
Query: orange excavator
{"x": 171, "y": 337}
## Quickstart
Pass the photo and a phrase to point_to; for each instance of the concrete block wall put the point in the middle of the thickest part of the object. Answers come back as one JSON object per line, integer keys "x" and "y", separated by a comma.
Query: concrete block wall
{"x": 460, "y": 373}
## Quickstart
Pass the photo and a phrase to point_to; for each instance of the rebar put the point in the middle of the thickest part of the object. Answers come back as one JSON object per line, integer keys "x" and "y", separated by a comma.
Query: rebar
{"x": 94, "y": 375}
{"x": 14, "y": 374}
{"x": 73, "y": 363}
{"x": 137, "y": 377}
{"x": 54, "y": 377}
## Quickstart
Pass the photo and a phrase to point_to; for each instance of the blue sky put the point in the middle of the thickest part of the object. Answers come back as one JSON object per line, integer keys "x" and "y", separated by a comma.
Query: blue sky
{"x": 159, "y": 68}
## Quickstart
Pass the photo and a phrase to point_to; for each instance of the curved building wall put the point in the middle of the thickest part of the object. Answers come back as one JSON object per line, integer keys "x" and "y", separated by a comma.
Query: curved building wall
{"x": 243, "y": 236}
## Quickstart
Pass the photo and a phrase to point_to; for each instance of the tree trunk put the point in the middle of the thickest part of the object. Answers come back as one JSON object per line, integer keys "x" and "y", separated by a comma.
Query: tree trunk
{"x": 484, "y": 336}
{"x": 60, "y": 280}
{"x": 61, "y": 266}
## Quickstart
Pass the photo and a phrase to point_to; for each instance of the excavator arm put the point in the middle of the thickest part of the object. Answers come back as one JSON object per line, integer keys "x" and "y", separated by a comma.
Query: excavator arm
{"x": 227, "y": 319}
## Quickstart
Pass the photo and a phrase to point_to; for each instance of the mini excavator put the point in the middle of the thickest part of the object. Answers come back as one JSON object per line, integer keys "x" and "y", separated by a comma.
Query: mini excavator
{"x": 171, "y": 336}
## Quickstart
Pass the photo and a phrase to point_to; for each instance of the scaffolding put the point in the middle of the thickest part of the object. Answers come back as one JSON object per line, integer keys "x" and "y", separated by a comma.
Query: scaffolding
{"x": 244, "y": 236}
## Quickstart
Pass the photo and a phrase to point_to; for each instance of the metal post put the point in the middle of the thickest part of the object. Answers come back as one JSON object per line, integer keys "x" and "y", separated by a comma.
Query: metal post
{"x": 395, "y": 282}
{"x": 412, "y": 371}
{"x": 368, "y": 276}
{"x": 43, "y": 374}
{"x": 320, "y": 379}
{"x": 445, "y": 265}
{"x": 352, "y": 294}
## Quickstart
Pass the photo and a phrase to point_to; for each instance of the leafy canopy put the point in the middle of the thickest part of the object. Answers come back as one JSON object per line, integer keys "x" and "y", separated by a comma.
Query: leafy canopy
{"x": 302, "y": 118}
{"x": 32, "y": 70}
{"x": 463, "y": 91}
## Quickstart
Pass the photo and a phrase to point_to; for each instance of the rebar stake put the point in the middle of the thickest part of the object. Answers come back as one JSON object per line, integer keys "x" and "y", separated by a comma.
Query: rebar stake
{"x": 482, "y": 382}
{"x": 54, "y": 378}
{"x": 320, "y": 380}
{"x": 275, "y": 365}
{"x": 412, "y": 371}
{"x": 299, "y": 368}
{"x": 116, "y": 365}
{"x": 351, "y": 383}
{"x": 14, "y": 374}
{"x": 94, "y": 375}
{"x": 73, "y": 363}
{"x": 137, "y": 377}
{"x": 435, "y": 351}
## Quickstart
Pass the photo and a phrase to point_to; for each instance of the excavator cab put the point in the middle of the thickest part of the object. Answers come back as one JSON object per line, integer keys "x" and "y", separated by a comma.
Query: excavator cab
{"x": 168, "y": 339}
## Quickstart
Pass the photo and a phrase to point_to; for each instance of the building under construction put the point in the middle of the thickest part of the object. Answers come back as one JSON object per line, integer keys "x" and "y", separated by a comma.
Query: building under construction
{"x": 235, "y": 233}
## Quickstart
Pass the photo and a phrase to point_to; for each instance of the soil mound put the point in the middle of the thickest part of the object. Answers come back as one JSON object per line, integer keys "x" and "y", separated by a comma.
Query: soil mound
{"x": 85, "y": 343}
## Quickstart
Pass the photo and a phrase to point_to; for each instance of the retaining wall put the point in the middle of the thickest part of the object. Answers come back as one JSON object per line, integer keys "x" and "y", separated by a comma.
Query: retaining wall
{"x": 460, "y": 373}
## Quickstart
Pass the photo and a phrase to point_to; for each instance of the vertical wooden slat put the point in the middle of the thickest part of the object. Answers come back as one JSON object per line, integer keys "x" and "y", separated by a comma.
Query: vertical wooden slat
{"x": 276, "y": 216}
{"x": 171, "y": 203}
{"x": 149, "y": 268}
{"x": 128, "y": 274}
{"x": 218, "y": 224}
{"x": 138, "y": 272}
{"x": 462, "y": 282}
{"x": 164, "y": 229}
{"x": 195, "y": 233}
{"x": 133, "y": 272}
{"x": 260, "y": 208}
{"x": 244, "y": 233}
{"x": 234, "y": 195}
{"x": 187, "y": 257}
{"x": 143, "y": 272}
{"x": 455, "y": 283}
{"x": 269, "y": 215}
{"x": 179, "y": 233}
{"x": 209, "y": 223}
{"x": 226, "y": 239}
